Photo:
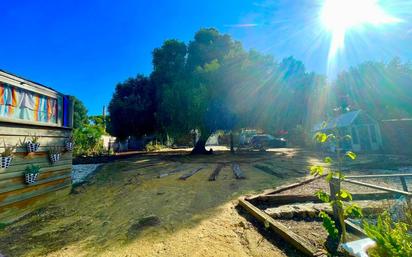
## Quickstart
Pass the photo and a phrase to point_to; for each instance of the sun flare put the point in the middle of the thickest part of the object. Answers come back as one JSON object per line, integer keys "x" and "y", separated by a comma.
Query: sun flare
{"x": 339, "y": 16}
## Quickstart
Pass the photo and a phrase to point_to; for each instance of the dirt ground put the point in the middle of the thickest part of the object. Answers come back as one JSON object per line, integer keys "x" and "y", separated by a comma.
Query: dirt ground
{"x": 126, "y": 210}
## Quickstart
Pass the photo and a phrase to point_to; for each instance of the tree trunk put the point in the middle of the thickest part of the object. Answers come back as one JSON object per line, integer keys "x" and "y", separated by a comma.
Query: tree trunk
{"x": 194, "y": 135}
{"x": 200, "y": 147}
{"x": 232, "y": 150}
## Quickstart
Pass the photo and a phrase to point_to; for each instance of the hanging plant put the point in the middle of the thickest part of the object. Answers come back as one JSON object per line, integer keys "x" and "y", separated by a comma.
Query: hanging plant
{"x": 31, "y": 173}
{"x": 33, "y": 144}
{"x": 54, "y": 154}
{"x": 69, "y": 144}
{"x": 7, "y": 155}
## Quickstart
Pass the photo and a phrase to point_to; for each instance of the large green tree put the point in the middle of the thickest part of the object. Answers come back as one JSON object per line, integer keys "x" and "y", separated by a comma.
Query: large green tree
{"x": 211, "y": 84}
{"x": 381, "y": 89}
{"x": 80, "y": 113}
{"x": 132, "y": 108}
{"x": 189, "y": 96}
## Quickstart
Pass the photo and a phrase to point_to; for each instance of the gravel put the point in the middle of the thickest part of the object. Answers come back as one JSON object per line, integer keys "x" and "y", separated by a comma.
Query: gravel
{"x": 81, "y": 171}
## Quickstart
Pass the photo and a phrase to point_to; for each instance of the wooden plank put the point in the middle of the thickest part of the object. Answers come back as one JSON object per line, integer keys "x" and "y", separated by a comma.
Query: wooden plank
{"x": 7, "y": 129}
{"x": 38, "y": 182}
{"x": 170, "y": 172}
{"x": 268, "y": 170}
{"x": 355, "y": 229}
{"x": 378, "y": 187}
{"x": 13, "y": 212}
{"x": 237, "y": 171}
{"x": 289, "y": 199}
{"x": 20, "y": 141}
{"x": 22, "y": 197}
{"x": 280, "y": 229}
{"x": 188, "y": 175}
{"x": 30, "y": 191}
{"x": 44, "y": 167}
{"x": 381, "y": 176}
{"x": 404, "y": 185}
{"x": 284, "y": 188}
{"x": 216, "y": 172}
{"x": 334, "y": 189}
{"x": 42, "y": 164}
{"x": 19, "y": 160}
{"x": 42, "y": 175}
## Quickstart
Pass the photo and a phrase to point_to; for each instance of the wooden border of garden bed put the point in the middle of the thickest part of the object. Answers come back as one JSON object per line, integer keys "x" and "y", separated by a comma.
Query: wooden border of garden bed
{"x": 289, "y": 236}
{"x": 269, "y": 196}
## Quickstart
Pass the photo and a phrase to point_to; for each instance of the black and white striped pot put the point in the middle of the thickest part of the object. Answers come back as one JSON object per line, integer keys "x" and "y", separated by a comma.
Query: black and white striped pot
{"x": 69, "y": 146}
{"x": 30, "y": 178}
{"x": 32, "y": 147}
{"x": 55, "y": 157}
{"x": 5, "y": 162}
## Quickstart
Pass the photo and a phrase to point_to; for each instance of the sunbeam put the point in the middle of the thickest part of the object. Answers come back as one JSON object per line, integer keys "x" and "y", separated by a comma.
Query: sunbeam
{"x": 340, "y": 16}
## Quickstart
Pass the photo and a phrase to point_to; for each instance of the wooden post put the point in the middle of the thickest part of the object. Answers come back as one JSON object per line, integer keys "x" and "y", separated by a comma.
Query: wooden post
{"x": 194, "y": 137}
{"x": 405, "y": 188}
{"x": 232, "y": 150}
{"x": 404, "y": 185}
{"x": 334, "y": 186}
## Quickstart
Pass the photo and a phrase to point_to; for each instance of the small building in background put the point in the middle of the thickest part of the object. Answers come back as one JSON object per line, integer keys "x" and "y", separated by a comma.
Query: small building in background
{"x": 364, "y": 131}
{"x": 30, "y": 110}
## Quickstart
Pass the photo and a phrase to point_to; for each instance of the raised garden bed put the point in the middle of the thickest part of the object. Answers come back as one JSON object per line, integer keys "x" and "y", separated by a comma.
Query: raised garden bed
{"x": 292, "y": 211}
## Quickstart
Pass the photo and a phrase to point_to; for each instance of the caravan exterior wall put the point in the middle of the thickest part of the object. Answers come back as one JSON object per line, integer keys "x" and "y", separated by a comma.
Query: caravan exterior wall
{"x": 28, "y": 109}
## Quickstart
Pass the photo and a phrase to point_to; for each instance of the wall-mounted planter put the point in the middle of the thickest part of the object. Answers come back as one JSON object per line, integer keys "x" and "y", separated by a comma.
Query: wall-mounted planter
{"x": 5, "y": 162}
{"x": 69, "y": 146}
{"x": 55, "y": 157}
{"x": 32, "y": 147}
{"x": 30, "y": 178}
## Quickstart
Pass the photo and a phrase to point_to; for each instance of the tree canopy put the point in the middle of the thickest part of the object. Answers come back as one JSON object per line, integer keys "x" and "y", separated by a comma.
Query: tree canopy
{"x": 132, "y": 108}
{"x": 213, "y": 83}
{"x": 79, "y": 114}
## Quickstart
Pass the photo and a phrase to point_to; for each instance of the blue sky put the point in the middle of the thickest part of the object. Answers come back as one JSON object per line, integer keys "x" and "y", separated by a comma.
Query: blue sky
{"x": 85, "y": 48}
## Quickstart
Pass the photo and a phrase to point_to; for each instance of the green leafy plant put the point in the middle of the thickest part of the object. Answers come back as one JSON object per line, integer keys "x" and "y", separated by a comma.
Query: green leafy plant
{"x": 153, "y": 146}
{"x": 393, "y": 239}
{"x": 70, "y": 139}
{"x": 88, "y": 140}
{"x": 23, "y": 143}
{"x": 32, "y": 169}
{"x": 34, "y": 139}
{"x": 8, "y": 150}
{"x": 340, "y": 200}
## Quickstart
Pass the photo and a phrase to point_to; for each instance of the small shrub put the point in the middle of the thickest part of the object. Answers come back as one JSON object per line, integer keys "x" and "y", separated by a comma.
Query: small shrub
{"x": 32, "y": 169}
{"x": 393, "y": 239}
{"x": 8, "y": 150}
{"x": 153, "y": 146}
{"x": 34, "y": 139}
{"x": 88, "y": 140}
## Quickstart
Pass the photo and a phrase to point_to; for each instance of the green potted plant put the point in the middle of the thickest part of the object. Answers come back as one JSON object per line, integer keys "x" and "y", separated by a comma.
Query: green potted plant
{"x": 31, "y": 173}
{"x": 54, "y": 154}
{"x": 7, "y": 155}
{"x": 33, "y": 144}
{"x": 69, "y": 144}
